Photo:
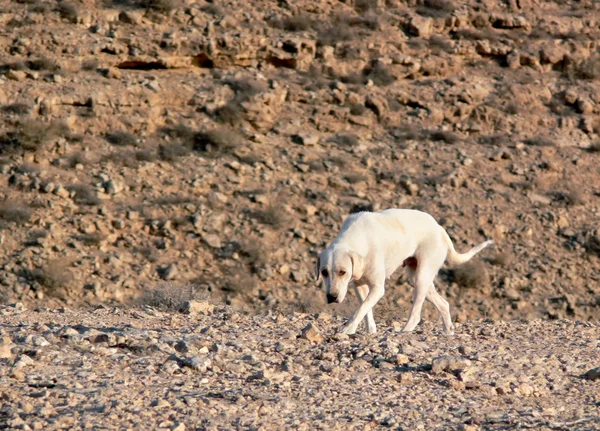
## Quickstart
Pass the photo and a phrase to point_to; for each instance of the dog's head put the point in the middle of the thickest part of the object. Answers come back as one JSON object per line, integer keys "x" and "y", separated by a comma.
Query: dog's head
{"x": 337, "y": 268}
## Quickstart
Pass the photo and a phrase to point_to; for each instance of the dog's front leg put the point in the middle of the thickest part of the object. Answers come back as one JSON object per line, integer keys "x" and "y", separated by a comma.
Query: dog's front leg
{"x": 362, "y": 290}
{"x": 375, "y": 294}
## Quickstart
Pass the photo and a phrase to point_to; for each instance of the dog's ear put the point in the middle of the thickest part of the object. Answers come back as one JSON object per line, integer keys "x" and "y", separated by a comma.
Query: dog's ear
{"x": 318, "y": 268}
{"x": 358, "y": 265}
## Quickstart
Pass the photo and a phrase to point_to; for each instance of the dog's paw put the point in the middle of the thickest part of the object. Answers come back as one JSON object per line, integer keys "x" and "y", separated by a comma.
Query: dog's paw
{"x": 348, "y": 330}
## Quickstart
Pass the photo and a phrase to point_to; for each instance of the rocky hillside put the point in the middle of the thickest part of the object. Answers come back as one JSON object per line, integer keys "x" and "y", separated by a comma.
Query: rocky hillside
{"x": 220, "y": 144}
{"x": 220, "y": 369}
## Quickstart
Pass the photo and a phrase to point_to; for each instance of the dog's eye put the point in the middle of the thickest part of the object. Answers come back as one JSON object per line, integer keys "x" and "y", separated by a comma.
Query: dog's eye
{"x": 342, "y": 272}
{"x": 324, "y": 273}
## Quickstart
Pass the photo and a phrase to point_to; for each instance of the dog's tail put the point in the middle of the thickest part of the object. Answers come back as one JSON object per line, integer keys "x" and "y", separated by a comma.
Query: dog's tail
{"x": 455, "y": 258}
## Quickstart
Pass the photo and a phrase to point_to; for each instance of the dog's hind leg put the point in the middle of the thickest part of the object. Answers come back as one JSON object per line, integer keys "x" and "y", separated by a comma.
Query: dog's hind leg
{"x": 421, "y": 288}
{"x": 363, "y": 291}
{"x": 422, "y": 279}
{"x": 442, "y": 307}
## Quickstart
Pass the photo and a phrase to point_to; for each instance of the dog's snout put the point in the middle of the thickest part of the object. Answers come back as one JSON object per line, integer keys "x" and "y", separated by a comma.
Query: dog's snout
{"x": 331, "y": 299}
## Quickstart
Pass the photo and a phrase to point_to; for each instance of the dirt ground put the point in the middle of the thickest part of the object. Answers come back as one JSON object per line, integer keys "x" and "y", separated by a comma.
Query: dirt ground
{"x": 140, "y": 369}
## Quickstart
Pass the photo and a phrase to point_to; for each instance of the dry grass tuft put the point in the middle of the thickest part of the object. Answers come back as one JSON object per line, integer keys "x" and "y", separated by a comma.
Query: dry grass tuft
{"x": 14, "y": 212}
{"x": 471, "y": 275}
{"x": 171, "y": 296}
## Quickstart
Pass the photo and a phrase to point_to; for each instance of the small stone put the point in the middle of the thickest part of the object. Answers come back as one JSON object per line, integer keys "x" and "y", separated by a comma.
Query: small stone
{"x": 449, "y": 363}
{"x": 513, "y": 60}
{"x": 584, "y": 106}
{"x": 40, "y": 341}
{"x": 112, "y": 73}
{"x": 113, "y": 187}
{"x": 512, "y": 294}
{"x": 593, "y": 374}
{"x": 406, "y": 378}
{"x": 420, "y": 26}
{"x": 212, "y": 240}
{"x": 16, "y": 75}
{"x": 539, "y": 199}
{"x": 168, "y": 272}
{"x": 198, "y": 363}
{"x": 525, "y": 389}
{"x": 131, "y": 17}
{"x": 62, "y": 192}
{"x": 178, "y": 427}
{"x": 198, "y": 307}
{"x": 17, "y": 374}
{"x": 401, "y": 359}
{"x": 306, "y": 139}
{"x": 5, "y": 348}
{"x": 312, "y": 333}
{"x": 160, "y": 404}
{"x": 562, "y": 222}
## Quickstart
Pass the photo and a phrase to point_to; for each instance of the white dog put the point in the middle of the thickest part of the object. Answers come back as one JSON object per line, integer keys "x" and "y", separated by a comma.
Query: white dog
{"x": 371, "y": 246}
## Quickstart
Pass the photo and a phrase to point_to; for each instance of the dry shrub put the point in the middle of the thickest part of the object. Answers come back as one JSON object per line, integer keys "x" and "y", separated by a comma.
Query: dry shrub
{"x": 594, "y": 147}
{"x": 435, "y": 8}
{"x": 91, "y": 239}
{"x": 67, "y": 11}
{"x": 216, "y": 141}
{"x": 406, "y": 132}
{"x": 212, "y": 9}
{"x": 232, "y": 113}
{"x": 121, "y": 138}
{"x": 273, "y": 216}
{"x": 474, "y": 34}
{"x": 439, "y": 44}
{"x": 302, "y": 22}
{"x": 84, "y": 195}
{"x": 171, "y": 296}
{"x": 357, "y": 109}
{"x": 221, "y": 140}
{"x": 90, "y": 65}
{"x": 31, "y": 135}
{"x": 16, "y": 108}
{"x": 149, "y": 253}
{"x": 445, "y": 136}
{"x": 355, "y": 178}
{"x": 14, "y": 212}
{"x": 338, "y": 30}
{"x": 501, "y": 259}
{"x": 43, "y": 64}
{"x": 380, "y": 74}
{"x": 160, "y": 6}
{"x": 145, "y": 156}
{"x": 170, "y": 152}
{"x": 79, "y": 158}
{"x": 586, "y": 69}
{"x": 253, "y": 254}
{"x": 174, "y": 200}
{"x": 540, "y": 141}
{"x": 239, "y": 281}
{"x": 512, "y": 108}
{"x": 345, "y": 139}
{"x": 53, "y": 276}
{"x": 471, "y": 275}
{"x": 573, "y": 195}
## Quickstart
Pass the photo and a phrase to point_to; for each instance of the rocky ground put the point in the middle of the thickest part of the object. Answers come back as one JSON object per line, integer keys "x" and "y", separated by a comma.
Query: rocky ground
{"x": 221, "y": 369}
{"x": 222, "y": 144}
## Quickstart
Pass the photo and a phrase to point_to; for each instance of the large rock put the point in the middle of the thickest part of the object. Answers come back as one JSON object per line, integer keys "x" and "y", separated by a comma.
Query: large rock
{"x": 198, "y": 307}
{"x": 311, "y": 333}
{"x": 449, "y": 364}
